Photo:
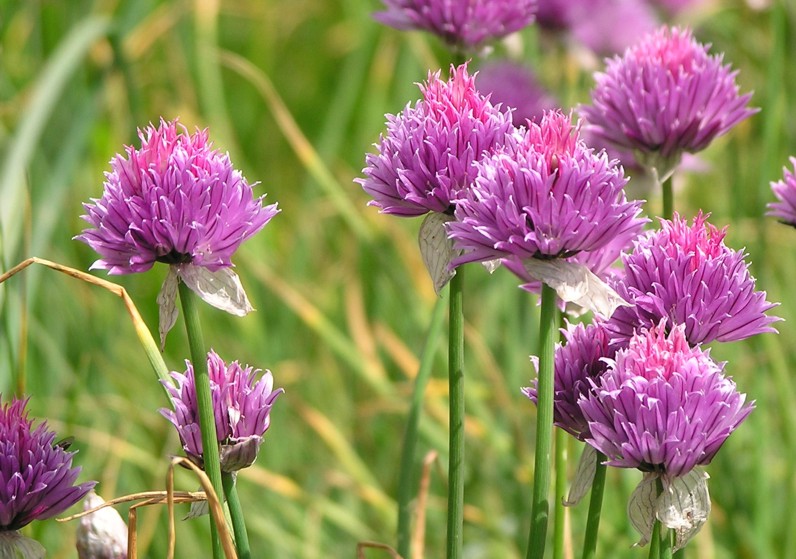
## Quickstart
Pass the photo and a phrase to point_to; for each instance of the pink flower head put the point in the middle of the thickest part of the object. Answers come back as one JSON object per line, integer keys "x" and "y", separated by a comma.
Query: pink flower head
{"x": 686, "y": 274}
{"x": 544, "y": 194}
{"x": 581, "y": 358}
{"x": 426, "y": 158}
{"x": 665, "y": 96}
{"x": 785, "y": 191}
{"x": 662, "y": 406}
{"x": 37, "y": 480}
{"x": 241, "y": 405}
{"x": 465, "y": 25}
{"x": 175, "y": 200}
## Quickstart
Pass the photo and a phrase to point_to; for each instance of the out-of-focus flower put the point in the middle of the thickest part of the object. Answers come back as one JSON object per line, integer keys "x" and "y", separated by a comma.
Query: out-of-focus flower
{"x": 581, "y": 358}
{"x": 465, "y": 25}
{"x": 665, "y": 96}
{"x": 241, "y": 406}
{"x": 426, "y": 158}
{"x": 512, "y": 85}
{"x": 101, "y": 534}
{"x": 37, "y": 480}
{"x": 686, "y": 273}
{"x": 664, "y": 408}
{"x": 178, "y": 201}
{"x": 785, "y": 191}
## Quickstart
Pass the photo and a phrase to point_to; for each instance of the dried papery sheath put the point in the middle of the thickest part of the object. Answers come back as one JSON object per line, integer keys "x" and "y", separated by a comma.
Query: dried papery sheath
{"x": 101, "y": 534}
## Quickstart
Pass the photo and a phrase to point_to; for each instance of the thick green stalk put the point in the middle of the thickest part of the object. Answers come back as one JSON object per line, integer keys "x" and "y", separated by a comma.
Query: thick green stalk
{"x": 236, "y": 514}
{"x": 456, "y": 387}
{"x": 405, "y": 483}
{"x": 544, "y": 425}
{"x": 668, "y": 198}
{"x": 655, "y": 541}
{"x": 595, "y": 508}
{"x": 204, "y": 401}
{"x": 679, "y": 554}
{"x": 559, "y": 534}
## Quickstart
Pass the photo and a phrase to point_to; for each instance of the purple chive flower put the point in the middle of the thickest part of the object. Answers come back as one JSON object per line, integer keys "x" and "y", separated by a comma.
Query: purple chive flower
{"x": 665, "y": 96}
{"x": 426, "y": 158}
{"x": 581, "y": 358}
{"x": 241, "y": 405}
{"x": 175, "y": 200}
{"x": 662, "y": 406}
{"x": 686, "y": 273}
{"x": 37, "y": 480}
{"x": 785, "y": 191}
{"x": 512, "y": 85}
{"x": 543, "y": 195}
{"x": 465, "y": 25}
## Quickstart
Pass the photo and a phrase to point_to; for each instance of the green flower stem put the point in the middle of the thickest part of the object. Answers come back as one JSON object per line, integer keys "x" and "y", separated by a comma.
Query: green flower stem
{"x": 236, "y": 514}
{"x": 668, "y": 198}
{"x": 595, "y": 508}
{"x": 456, "y": 387}
{"x": 544, "y": 425}
{"x": 655, "y": 542}
{"x": 679, "y": 554}
{"x": 559, "y": 533}
{"x": 204, "y": 401}
{"x": 405, "y": 483}
{"x": 666, "y": 543}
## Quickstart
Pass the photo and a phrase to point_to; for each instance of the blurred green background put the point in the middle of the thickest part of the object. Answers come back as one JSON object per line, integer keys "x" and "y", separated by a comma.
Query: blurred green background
{"x": 296, "y": 91}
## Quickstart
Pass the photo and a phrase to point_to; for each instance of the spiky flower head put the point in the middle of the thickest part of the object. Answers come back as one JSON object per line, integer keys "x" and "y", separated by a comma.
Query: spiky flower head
{"x": 545, "y": 195}
{"x": 685, "y": 273}
{"x": 37, "y": 480}
{"x": 662, "y": 405}
{"x": 582, "y": 357}
{"x": 241, "y": 407}
{"x": 665, "y": 96}
{"x": 465, "y": 25}
{"x": 175, "y": 200}
{"x": 426, "y": 157}
{"x": 785, "y": 191}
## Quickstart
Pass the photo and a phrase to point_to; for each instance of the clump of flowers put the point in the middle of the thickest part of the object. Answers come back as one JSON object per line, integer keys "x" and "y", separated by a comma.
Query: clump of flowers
{"x": 241, "y": 406}
{"x": 785, "y": 191}
{"x": 465, "y": 25}
{"x": 664, "y": 407}
{"x": 686, "y": 274}
{"x": 37, "y": 480}
{"x": 178, "y": 201}
{"x": 665, "y": 96}
{"x": 426, "y": 157}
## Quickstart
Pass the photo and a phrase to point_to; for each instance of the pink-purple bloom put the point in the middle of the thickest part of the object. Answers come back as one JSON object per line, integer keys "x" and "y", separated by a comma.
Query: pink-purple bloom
{"x": 37, "y": 480}
{"x": 426, "y": 157}
{"x": 662, "y": 406}
{"x": 544, "y": 195}
{"x": 686, "y": 274}
{"x": 465, "y": 25}
{"x": 785, "y": 191}
{"x": 241, "y": 407}
{"x": 175, "y": 200}
{"x": 581, "y": 358}
{"x": 665, "y": 96}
